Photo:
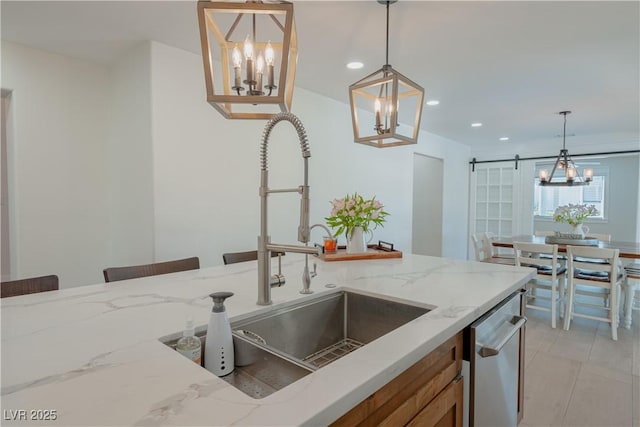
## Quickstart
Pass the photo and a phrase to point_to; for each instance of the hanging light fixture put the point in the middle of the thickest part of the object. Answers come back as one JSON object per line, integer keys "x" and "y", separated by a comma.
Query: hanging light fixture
{"x": 385, "y": 92}
{"x": 564, "y": 162}
{"x": 256, "y": 46}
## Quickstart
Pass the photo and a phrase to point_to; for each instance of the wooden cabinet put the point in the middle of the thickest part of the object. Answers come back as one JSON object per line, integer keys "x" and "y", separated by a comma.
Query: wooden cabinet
{"x": 445, "y": 410}
{"x": 429, "y": 393}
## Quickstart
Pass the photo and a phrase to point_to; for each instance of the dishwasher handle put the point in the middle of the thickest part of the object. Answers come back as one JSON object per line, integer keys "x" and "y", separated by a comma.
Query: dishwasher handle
{"x": 488, "y": 351}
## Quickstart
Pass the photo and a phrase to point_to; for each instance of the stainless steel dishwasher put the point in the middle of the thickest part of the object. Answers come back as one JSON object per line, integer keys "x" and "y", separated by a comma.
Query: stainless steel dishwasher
{"x": 491, "y": 367}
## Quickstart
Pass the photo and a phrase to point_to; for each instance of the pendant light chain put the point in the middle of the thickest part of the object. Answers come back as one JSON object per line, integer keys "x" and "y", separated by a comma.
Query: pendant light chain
{"x": 564, "y": 132}
{"x": 387, "y": 55}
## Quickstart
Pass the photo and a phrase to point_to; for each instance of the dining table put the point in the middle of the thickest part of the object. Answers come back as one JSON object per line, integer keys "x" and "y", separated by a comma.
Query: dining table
{"x": 629, "y": 250}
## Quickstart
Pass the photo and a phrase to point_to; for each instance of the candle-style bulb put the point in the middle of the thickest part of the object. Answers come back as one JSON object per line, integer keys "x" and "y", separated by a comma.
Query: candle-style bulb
{"x": 248, "y": 48}
{"x": 588, "y": 174}
{"x": 269, "y": 55}
{"x": 236, "y": 57}
{"x": 260, "y": 64}
{"x": 378, "y": 108}
{"x": 544, "y": 175}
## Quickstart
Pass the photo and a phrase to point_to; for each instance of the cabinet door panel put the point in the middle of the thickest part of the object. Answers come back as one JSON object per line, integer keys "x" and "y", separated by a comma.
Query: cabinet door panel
{"x": 444, "y": 410}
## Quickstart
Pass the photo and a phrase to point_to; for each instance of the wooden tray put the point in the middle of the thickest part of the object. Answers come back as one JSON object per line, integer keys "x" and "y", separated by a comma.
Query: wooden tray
{"x": 373, "y": 252}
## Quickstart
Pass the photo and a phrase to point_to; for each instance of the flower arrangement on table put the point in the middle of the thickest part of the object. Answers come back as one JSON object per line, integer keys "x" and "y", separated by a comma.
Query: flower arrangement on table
{"x": 354, "y": 211}
{"x": 574, "y": 214}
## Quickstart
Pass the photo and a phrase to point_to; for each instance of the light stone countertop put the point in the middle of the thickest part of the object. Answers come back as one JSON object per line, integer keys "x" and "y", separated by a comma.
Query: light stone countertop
{"x": 92, "y": 353}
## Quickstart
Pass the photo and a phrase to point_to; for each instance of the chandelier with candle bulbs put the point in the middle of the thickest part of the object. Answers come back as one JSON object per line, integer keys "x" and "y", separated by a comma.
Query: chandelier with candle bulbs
{"x": 249, "y": 53}
{"x": 565, "y": 163}
{"x": 386, "y": 92}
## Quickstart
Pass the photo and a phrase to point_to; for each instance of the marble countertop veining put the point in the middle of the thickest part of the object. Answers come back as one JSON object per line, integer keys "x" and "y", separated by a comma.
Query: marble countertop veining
{"x": 92, "y": 353}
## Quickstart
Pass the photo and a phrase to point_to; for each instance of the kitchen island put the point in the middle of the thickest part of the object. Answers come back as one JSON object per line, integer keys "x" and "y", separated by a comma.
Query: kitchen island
{"x": 91, "y": 355}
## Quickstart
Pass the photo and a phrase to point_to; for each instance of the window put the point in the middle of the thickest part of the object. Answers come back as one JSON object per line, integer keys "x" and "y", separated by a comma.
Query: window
{"x": 547, "y": 199}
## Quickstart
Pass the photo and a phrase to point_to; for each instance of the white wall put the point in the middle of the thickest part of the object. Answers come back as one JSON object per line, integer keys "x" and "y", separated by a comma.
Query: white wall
{"x": 59, "y": 154}
{"x": 131, "y": 166}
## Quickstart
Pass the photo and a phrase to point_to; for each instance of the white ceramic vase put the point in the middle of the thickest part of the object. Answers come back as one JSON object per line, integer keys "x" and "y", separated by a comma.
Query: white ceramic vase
{"x": 580, "y": 230}
{"x": 355, "y": 241}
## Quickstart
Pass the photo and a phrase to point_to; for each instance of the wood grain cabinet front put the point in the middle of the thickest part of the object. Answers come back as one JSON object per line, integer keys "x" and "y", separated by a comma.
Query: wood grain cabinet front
{"x": 429, "y": 393}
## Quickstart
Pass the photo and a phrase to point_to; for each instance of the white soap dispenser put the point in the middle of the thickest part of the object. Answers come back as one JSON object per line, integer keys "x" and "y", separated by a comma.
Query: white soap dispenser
{"x": 218, "y": 352}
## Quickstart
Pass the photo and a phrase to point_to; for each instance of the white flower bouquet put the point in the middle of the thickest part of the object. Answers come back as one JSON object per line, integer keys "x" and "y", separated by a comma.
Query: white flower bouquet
{"x": 574, "y": 214}
{"x": 354, "y": 211}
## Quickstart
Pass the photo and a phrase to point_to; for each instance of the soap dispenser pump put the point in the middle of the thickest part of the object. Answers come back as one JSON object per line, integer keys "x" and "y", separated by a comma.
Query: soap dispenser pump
{"x": 218, "y": 354}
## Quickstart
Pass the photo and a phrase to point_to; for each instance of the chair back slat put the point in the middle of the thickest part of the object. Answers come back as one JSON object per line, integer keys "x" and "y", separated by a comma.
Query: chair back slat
{"x": 29, "y": 286}
{"x": 114, "y": 274}
{"x": 591, "y": 252}
{"x": 584, "y": 259}
{"x": 528, "y": 254}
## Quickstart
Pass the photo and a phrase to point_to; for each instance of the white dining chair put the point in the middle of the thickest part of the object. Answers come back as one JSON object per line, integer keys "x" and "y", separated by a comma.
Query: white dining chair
{"x": 594, "y": 279}
{"x": 492, "y": 253}
{"x": 481, "y": 253}
{"x": 550, "y": 277}
{"x": 478, "y": 248}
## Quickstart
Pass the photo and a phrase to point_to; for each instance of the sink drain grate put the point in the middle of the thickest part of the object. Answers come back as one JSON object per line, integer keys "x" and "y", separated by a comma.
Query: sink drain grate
{"x": 333, "y": 352}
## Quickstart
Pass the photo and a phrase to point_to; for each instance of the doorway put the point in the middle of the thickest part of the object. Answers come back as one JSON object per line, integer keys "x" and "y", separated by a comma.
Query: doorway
{"x": 427, "y": 205}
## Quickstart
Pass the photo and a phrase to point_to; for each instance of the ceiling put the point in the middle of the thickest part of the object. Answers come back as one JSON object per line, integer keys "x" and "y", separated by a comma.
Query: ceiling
{"x": 508, "y": 64}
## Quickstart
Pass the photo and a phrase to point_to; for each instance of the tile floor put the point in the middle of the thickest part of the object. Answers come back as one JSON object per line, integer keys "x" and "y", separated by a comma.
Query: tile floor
{"x": 581, "y": 377}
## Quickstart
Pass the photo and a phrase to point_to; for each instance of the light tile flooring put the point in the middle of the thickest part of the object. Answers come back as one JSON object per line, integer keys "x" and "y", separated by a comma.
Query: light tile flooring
{"x": 581, "y": 377}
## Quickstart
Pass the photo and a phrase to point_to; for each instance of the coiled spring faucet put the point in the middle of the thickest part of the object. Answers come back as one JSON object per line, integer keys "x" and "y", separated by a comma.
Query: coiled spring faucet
{"x": 265, "y": 247}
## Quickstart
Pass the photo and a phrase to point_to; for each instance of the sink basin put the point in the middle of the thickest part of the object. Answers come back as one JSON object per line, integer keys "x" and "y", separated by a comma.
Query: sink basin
{"x": 278, "y": 347}
{"x": 318, "y": 331}
{"x": 262, "y": 372}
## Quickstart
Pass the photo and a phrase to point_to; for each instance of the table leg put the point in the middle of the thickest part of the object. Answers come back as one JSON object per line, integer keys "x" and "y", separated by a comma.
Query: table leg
{"x": 629, "y": 292}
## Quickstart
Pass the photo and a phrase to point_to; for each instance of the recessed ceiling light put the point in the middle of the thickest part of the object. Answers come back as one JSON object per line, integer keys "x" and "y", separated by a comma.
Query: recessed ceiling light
{"x": 433, "y": 102}
{"x": 355, "y": 65}
{"x": 476, "y": 125}
{"x": 504, "y": 138}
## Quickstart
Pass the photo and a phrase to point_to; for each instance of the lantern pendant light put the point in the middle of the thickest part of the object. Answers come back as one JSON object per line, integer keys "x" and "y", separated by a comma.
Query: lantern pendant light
{"x": 565, "y": 162}
{"x": 249, "y": 51}
{"x": 385, "y": 92}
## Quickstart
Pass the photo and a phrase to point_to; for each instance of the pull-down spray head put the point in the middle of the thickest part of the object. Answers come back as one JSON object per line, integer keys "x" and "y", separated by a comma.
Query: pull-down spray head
{"x": 303, "y": 228}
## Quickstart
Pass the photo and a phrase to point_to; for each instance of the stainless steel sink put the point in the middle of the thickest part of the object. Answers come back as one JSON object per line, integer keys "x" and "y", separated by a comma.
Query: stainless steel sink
{"x": 320, "y": 330}
{"x": 277, "y": 348}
